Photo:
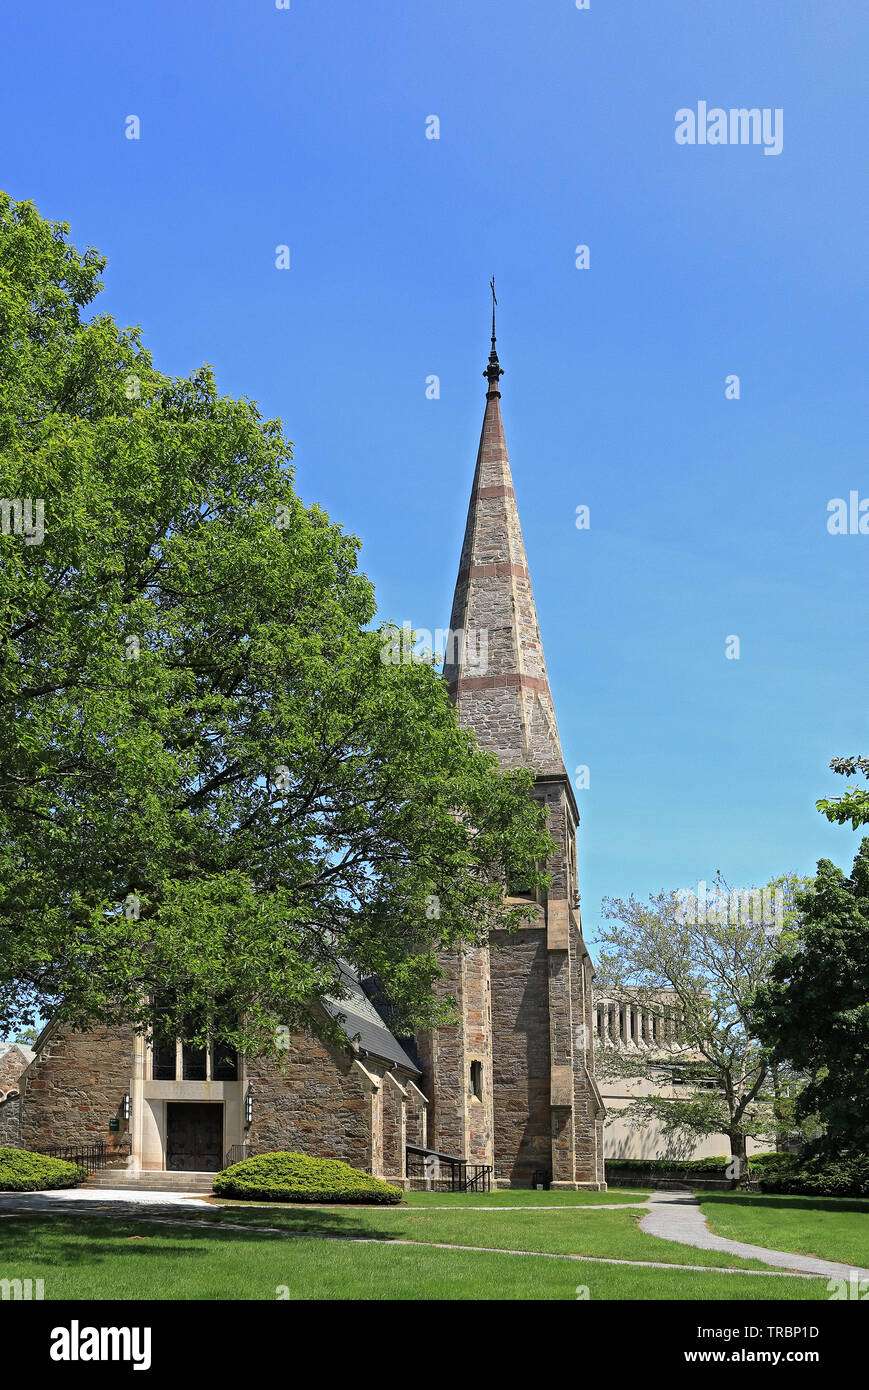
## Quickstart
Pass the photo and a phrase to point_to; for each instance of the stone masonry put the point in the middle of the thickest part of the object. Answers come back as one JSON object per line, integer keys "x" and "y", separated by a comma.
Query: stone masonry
{"x": 539, "y": 1110}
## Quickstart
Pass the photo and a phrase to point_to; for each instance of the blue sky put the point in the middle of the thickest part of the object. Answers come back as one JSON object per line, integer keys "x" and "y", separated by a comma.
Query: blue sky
{"x": 263, "y": 127}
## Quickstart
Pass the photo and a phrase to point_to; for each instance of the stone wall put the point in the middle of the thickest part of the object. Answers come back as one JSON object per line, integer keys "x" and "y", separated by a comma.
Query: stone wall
{"x": 459, "y": 1121}
{"x": 75, "y": 1085}
{"x": 416, "y": 1118}
{"x": 12, "y": 1063}
{"x": 394, "y": 1126}
{"x": 520, "y": 1054}
{"x": 314, "y": 1101}
{"x": 10, "y": 1111}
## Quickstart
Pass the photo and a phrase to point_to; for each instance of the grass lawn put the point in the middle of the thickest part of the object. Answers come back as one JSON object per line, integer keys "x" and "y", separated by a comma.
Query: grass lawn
{"x": 833, "y": 1228}
{"x": 607, "y": 1234}
{"x": 82, "y": 1258}
{"x": 524, "y": 1197}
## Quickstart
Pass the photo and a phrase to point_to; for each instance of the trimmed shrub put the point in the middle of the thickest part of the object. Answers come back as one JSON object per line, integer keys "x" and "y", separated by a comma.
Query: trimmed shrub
{"x": 662, "y": 1166}
{"x": 22, "y": 1171}
{"x": 818, "y": 1177}
{"x": 291, "y": 1177}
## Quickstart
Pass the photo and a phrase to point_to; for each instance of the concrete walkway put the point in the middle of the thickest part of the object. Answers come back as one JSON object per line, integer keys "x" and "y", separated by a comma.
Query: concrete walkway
{"x": 77, "y": 1198}
{"x": 677, "y": 1216}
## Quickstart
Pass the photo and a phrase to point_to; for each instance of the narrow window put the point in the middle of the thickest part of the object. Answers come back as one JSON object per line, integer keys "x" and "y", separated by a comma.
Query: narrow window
{"x": 225, "y": 1063}
{"x": 163, "y": 1059}
{"x": 477, "y": 1079}
{"x": 194, "y": 1062}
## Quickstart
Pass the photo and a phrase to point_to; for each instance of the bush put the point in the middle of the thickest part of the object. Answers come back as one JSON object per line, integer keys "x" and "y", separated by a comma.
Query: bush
{"x": 663, "y": 1166}
{"x": 22, "y": 1171}
{"x": 291, "y": 1177}
{"x": 819, "y": 1177}
{"x": 781, "y": 1162}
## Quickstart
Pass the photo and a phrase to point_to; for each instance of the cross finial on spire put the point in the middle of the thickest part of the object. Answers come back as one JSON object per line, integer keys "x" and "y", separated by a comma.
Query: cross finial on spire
{"x": 494, "y": 371}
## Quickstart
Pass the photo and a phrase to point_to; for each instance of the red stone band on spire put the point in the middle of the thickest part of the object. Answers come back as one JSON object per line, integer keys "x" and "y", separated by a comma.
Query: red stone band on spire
{"x": 497, "y": 570}
{"x": 511, "y": 681}
{"x": 500, "y": 491}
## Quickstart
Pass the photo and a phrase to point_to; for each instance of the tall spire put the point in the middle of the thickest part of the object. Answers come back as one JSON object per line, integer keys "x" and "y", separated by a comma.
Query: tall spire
{"x": 495, "y": 669}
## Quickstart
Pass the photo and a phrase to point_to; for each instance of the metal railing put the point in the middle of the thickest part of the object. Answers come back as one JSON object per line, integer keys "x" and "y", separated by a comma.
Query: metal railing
{"x": 236, "y": 1154}
{"x": 447, "y": 1172}
{"x": 91, "y": 1157}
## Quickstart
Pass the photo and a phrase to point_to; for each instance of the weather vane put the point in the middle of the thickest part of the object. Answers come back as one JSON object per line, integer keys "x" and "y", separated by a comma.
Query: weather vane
{"x": 494, "y": 302}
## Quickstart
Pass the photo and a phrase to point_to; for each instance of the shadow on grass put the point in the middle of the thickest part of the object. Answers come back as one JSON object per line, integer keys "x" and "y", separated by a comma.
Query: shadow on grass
{"x": 68, "y": 1239}
{"x": 779, "y": 1203}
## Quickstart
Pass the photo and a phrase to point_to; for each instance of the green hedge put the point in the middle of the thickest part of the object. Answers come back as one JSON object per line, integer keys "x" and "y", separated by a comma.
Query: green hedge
{"x": 818, "y": 1177}
{"x": 775, "y": 1172}
{"x": 666, "y": 1165}
{"x": 22, "y": 1171}
{"x": 679, "y": 1167}
{"x": 291, "y": 1177}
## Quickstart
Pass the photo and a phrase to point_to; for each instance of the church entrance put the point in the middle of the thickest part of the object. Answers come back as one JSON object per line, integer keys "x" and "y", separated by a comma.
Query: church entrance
{"x": 194, "y": 1137}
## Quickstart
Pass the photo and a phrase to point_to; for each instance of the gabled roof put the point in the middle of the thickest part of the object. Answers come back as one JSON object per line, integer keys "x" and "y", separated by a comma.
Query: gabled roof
{"x": 362, "y": 1024}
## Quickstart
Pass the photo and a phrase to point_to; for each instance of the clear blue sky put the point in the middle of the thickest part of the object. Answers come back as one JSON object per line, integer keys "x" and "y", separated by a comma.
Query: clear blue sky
{"x": 306, "y": 127}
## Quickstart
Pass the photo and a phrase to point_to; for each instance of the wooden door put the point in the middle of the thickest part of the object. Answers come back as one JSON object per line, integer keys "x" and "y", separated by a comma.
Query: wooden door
{"x": 194, "y": 1137}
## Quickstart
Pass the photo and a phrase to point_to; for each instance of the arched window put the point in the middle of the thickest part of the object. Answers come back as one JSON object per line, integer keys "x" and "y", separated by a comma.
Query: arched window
{"x": 477, "y": 1080}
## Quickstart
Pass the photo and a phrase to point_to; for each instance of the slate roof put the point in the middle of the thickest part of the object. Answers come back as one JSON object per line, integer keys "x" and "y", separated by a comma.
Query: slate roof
{"x": 361, "y": 1022}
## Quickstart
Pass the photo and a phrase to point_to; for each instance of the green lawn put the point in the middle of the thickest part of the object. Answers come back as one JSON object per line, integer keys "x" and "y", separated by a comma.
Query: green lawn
{"x": 99, "y": 1258}
{"x": 833, "y": 1228}
{"x": 524, "y": 1197}
{"x": 607, "y": 1234}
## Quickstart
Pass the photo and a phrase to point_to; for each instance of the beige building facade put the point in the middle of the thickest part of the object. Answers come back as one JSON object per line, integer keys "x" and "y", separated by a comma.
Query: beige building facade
{"x": 651, "y": 1036}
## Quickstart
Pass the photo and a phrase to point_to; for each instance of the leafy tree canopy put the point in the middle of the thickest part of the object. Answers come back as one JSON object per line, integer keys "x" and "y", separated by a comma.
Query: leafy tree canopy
{"x": 814, "y": 1011}
{"x": 693, "y": 966}
{"x": 853, "y": 805}
{"x": 211, "y": 786}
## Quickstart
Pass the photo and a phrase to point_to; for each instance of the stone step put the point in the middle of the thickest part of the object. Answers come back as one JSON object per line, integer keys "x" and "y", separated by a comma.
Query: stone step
{"x": 120, "y": 1179}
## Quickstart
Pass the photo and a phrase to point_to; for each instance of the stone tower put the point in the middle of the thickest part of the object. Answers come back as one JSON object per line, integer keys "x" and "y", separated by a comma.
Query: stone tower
{"x": 513, "y": 1084}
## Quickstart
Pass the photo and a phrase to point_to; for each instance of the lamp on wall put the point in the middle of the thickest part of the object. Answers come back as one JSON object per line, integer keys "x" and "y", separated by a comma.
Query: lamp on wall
{"x": 248, "y": 1108}
{"x": 126, "y": 1106}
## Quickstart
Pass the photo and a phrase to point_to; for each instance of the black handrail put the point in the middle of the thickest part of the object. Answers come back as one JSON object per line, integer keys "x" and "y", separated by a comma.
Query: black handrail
{"x": 462, "y": 1175}
{"x": 91, "y": 1157}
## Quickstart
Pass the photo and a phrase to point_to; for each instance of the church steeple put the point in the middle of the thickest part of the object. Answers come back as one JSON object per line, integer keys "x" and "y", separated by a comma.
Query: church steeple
{"x": 496, "y": 669}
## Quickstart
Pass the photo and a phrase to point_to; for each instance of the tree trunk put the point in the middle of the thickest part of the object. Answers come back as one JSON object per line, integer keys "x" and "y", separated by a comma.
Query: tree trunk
{"x": 738, "y": 1168}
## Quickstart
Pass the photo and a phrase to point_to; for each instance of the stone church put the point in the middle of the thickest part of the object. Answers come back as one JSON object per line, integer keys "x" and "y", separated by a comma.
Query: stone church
{"x": 510, "y": 1088}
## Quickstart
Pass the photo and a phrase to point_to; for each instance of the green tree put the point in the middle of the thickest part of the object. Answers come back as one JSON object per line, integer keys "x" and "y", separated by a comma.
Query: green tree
{"x": 813, "y": 1013}
{"x": 212, "y": 786}
{"x": 853, "y": 806}
{"x": 693, "y": 966}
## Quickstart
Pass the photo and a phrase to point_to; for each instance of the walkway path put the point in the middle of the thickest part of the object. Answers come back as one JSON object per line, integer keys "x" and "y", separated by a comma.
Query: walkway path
{"x": 677, "y": 1216}
{"x": 672, "y": 1215}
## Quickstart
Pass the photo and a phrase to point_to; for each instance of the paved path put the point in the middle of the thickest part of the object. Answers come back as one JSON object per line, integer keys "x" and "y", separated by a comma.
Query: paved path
{"x": 77, "y": 1198}
{"x": 677, "y": 1216}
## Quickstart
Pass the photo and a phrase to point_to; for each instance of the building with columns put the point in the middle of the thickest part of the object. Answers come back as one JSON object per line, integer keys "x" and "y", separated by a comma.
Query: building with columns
{"x": 639, "y": 1048}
